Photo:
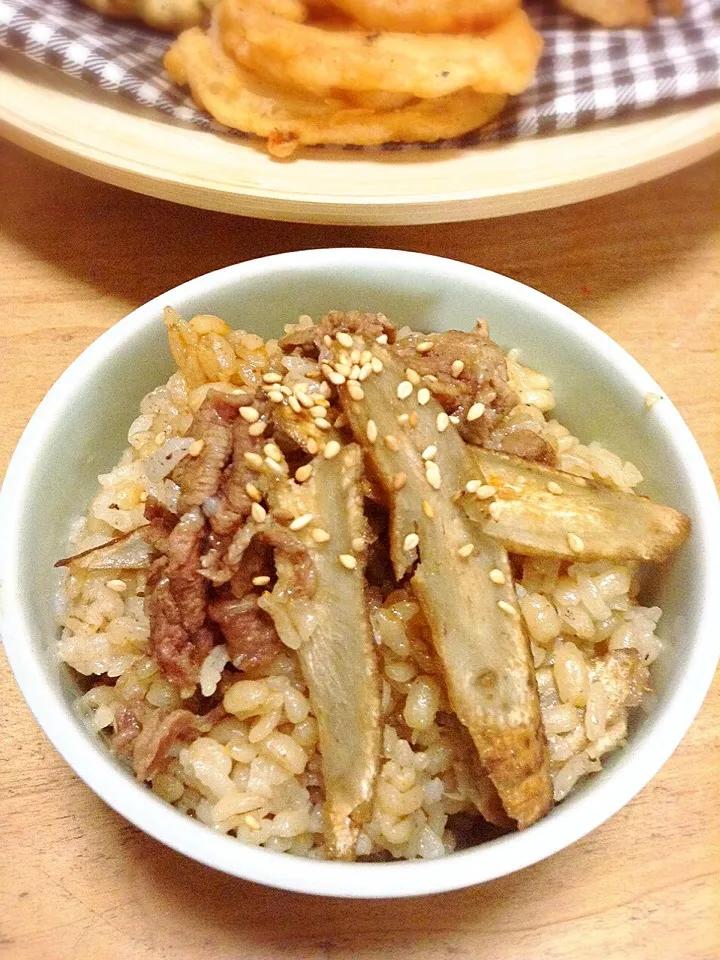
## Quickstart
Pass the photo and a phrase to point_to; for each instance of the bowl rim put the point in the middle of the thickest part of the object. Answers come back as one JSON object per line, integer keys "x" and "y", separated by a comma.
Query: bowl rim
{"x": 94, "y": 764}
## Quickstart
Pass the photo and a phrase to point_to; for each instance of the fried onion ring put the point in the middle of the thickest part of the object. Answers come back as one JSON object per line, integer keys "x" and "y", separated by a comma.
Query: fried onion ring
{"x": 427, "y": 16}
{"x": 288, "y": 118}
{"x": 501, "y": 60}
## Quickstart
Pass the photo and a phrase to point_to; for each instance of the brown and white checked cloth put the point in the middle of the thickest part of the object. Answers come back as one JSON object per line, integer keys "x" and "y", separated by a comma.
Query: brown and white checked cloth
{"x": 586, "y": 73}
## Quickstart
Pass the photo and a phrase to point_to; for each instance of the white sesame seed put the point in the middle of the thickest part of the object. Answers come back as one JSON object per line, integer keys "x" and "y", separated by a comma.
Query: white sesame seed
{"x": 119, "y": 586}
{"x": 258, "y": 513}
{"x": 365, "y": 371}
{"x": 355, "y": 390}
{"x": 325, "y": 390}
{"x": 411, "y": 541}
{"x": 430, "y": 378}
{"x": 399, "y": 480}
{"x": 457, "y": 368}
{"x": 305, "y": 399}
{"x": 472, "y": 486}
{"x": 497, "y": 576}
{"x": 554, "y": 487}
{"x": 312, "y": 446}
{"x": 252, "y": 491}
{"x": 423, "y": 396}
{"x": 355, "y": 357}
{"x": 337, "y": 378}
{"x": 272, "y": 378}
{"x": 382, "y": 339}
{"x": 412, "y": 375}
{"x": 453, "y": 418}
{"x": 251, "y": 821}
{"x": 304, "y": 473}
{"x": 344, "y": 369}
{"x": 299, "y": 523}
{"x": 429, "y": 452}
{"x": 327, "y": 340}
{"x": 476, "y": 411}
{"x": 286, "y": 391}
{"x": 260, "y": 581}
{"x": 319, "y": 535}
{"x": 485, "y": 491}
{"x": 496, "y": 510}
{"x": 249, "y": 414}
{"x": 358, "y": 544}
{"x": 376, "y": 364}
{"x": 575, "y": 543}
{"x": 322, "y": 424}
{"x": 405, "y": 388}
{"x": 275, "y": 396}
{"x": 253, "y": 460}
{"x": 273, "y": 451}
{"x": 257, "y": 429}
{"x": 354, "y": 372}
{"x": 344, "y": 339}
{"x": 347, "y": 560}
{"x": 427, "y": 509}
{"x": 332, "y": 449}
{"x": 317, "y": 411}
{"x": 466, "y": 550}
{"x": 365, "y": 357}
{"x": 425, "y": 346}
{"x": 432, "y": 474}
{"x": 371, "y": 431}
{"x": 391, "y": 442}
{"x": 507, "y": 608}
{"x": 294, "y": 404}
{"x": 274, "y": 466}
{"x": 196, "y": 447}
{"x": 403, "y": 418}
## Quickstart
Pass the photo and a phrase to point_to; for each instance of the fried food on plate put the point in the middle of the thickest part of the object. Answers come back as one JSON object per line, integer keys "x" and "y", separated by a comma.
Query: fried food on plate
{"x": 288, "y": 118}
{"x": 500, "y": 60}
{"x": 612, "y": 13}
{"x": 170, "y": 15}
{"x": 427, "y": 16}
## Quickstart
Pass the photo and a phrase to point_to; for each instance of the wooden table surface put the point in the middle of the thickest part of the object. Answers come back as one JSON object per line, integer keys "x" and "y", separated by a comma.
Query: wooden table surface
{"x": 76, "y": 880}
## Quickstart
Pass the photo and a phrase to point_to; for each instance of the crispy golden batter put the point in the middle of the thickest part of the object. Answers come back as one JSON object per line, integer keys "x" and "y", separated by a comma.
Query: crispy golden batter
{"x": 612, "y": 13}
{"x": 171, "y": 15}
{"x": 427, "y": 16}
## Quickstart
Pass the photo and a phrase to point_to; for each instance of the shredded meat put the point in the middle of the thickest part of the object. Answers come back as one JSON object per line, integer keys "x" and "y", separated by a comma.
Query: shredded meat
{"x": 309, "y": 340}
{"x": 257, "y": 562}
{"x": 161, "y": 731}
{"x": 128, "y": 724}
{"x": 161, "y": 524}
{"x": 520, "y": 435}
{"x": 250, "y": 635}
{"x": 304, "y": 582}
{"x": 233, "y": 503}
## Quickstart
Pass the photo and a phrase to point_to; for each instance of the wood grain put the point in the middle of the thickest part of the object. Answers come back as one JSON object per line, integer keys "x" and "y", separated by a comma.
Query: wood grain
{"x": 78, "y": 882}
{"x": 138, "y": 148}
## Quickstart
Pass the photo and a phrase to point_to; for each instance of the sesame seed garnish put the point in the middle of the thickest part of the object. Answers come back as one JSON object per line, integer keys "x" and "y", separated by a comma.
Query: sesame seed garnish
{"x": 382, "y": 339}
{"x": 119, "y": 586}
{"x": 355, "y": 390}
{"x": 332, "y": 449}
{"x": 457, "y": 368}
{"x": 365, "y": 371}
{"x": 355, "y": 357}
{"x": 405, "y": 388}
{"x": 403, "y": 418}
{"x": 249, "y": 414}
{"x": 344, "y": 369}
{"x": 466, "y": 550}
{"x": 253, "y": 460}
{"x": 496, "y": 510}
{"x": 260, "y": 581}
{"x": 319, "y": 535}
{"x": 476, "y": 411}
{"x": 273, "y": 451}
{"x": 412, "y": 375}
{"x": 442, "y": 422}
{"x": 258, "y": 513}
{"x": 365, "y": 356}
{"x": 294, "y": 403}
{"x": 376, "y": 364}
{"x": 275, "y": 396}
{"x": 299, "y": 523}
{"x": 507, "y": 608}
{"x": 274, "y": 466}
{"x": 327, "y": 340}
{"x": 257, "y": 429}
{"x": 423, "y": 396}
{"x": 325, "y": 390}
{"x": 554, "y": 487}
{"x": 425, "y": 346}
{"x": 399, "y": 480}
{"x": 432, "y": 474}
{"x": 427, "y": 509}
{"x": 322, "y": 424}
{"x": 497, "y": 576}
{"x": 340, "y": 421}
{"x": 272, "y": 378}
{"x": 485, "y": 491}
{"x": 358, "y": 544}
{"x": 252, "y": 491}
{"x": 317, "y": 411}
{"x": 251, "y": 821}
{"x": 430, "y": 378}
{"x": 344, "y": 339}
{"x": 337, "y": 378}
{"x": 300, "y": 387}
{"x": 411, "y": 541}
{"x": 286, "y": 391}
{"x": 304, "y": 473}
{"x": 454, "y": 419}
{"x": 312, "y": 446}
{"x": 371, "y": 431}
{"x": 391, "y": 442}
{"x": 575, "y": 543}
{"x": 429, "y": 452}
{"x": 472, "y": 486}
{"x": 305, "y": 399}
{"x": 347, "y": 560}
{"x": 354, "y": 372}
{"x": 195, "y": 448}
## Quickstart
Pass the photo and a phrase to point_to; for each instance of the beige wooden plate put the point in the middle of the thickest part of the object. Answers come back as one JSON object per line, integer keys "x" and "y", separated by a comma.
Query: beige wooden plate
{"x": 95, "y": 133}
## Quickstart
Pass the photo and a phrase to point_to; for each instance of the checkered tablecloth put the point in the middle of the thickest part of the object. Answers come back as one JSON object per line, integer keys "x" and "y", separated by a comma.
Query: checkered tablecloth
{"x": 586, "y": 73}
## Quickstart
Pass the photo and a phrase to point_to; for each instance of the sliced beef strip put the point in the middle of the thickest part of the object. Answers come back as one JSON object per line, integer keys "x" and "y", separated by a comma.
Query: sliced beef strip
{"x": 160, "y": 732}
{"x": 521, "y": 435}
{"x": 250, "y": 635}
{"x": 309, "y": 340}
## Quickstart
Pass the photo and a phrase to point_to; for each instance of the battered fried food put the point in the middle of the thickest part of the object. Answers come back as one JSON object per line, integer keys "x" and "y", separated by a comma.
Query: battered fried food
{"x": 612, "y": 13}
{"x": 501, "y": 60}
{"x": 427, "y": 16}
{"x": 170, "y": 15}
{"x": 244, "y": 101}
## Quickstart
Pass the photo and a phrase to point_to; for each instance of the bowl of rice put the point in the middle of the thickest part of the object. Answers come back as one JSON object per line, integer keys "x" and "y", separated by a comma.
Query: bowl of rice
{"x": 360, "y": 573}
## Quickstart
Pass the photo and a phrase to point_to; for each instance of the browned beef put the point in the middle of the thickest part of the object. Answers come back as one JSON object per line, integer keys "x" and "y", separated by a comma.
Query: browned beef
{"x": 257, "y": 562}
{"x": 309, "y": 340}
{"x": 250, "y": 635}
{"x": 233, "y": 503}
{"x": 161, "y": 731}
{"x": 521, "y": 435}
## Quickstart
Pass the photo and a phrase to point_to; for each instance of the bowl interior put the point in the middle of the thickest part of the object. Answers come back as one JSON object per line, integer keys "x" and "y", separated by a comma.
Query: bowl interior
{"x": 81, "y": 431}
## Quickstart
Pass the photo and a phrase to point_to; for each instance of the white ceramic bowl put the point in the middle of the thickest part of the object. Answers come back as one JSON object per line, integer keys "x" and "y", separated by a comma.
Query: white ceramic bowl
{"x": 79, "y": 431}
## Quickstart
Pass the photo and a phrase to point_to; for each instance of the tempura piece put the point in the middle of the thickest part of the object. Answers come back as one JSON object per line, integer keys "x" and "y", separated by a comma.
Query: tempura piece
{"x": 427, "y": 16}
{"x": 462, "y": 579}
{"x": 537, "y": 511}
{"x": 612, "y": 13}
{"x": 333, "y": 637}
